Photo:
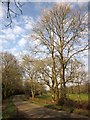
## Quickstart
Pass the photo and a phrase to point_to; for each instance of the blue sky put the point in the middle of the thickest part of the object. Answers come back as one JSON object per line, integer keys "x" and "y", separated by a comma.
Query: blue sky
{"x": 16, "y": 39}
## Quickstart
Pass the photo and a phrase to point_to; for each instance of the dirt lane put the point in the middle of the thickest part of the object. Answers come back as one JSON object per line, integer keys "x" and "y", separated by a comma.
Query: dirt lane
{"x": 30, "y": 110}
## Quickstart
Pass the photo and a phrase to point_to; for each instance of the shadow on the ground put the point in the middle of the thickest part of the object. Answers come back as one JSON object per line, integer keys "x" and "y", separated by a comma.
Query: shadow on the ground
{"x": 29, "y": 111}
{"x": 45, "y": 115}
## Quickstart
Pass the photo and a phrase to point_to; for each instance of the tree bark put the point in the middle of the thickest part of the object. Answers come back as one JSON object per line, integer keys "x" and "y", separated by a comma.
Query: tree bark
{"x": 33, "y": 94}
{"x": 63, "y": 84}
{"x": 54, "y": 77}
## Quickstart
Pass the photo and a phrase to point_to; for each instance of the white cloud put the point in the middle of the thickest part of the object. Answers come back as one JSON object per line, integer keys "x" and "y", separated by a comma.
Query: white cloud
{"x": 27, "y": 18}
{"x": 2, "y": 42}
{"x": 29, "y": 26}
{"x": 7, "y": 35}
{"x": 11, "y": 35}
{"x": 0, "y": 45}
{"x": 22, "y": 42}
{"x": 15, "y": 22}
{"x": 1, "y": 12}
{"x": 13, "y": 50}
{"x": 28, "y": 22}
{"x": 18, "y": 30}
{"x": 6, "y": 31}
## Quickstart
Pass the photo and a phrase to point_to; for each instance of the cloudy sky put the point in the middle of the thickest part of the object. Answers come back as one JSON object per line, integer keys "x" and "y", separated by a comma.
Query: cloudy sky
{"x": 15, "y": 39}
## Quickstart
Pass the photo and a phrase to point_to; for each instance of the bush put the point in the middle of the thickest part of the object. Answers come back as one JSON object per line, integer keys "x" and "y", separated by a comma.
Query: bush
{"x": 76, "y": 104}
{"x": 58, "y": 107}
{"x": 67, "y": 102}
{"x": 82, "y": 105}
{"x": 49, "y": 106}
{"x": 54, "y": 107}
{"x": 71, "y": 109}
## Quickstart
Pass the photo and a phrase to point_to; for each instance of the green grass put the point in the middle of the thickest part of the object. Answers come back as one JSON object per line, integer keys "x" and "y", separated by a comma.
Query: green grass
{"x": 39, "y": 103}
{"x": 69, "y": 109}
{"x": 45, "y": 96}
{"x": 53, "y": 106}
{"x": 41, "y": 100}
{"x": 77, "y": 97}
{"x": 9, "y": 110}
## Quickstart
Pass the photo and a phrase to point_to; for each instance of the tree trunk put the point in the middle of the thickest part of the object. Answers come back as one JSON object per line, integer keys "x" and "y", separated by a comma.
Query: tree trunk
{"x": 53, "y": 95}
{"x": 62, "y": 82}
{"x": 33, "y": 94}
{"x": 54, "y": 77}
{"x": 63, "y": 90}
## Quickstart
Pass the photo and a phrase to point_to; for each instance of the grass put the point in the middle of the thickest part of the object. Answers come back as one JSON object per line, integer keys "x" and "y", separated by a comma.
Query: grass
{"x": 70, "y": 109}
{"x": 9, "y": 109}
{"x": 38, "y": 103}
{"x": 45, "y": 96}
{"x": 52, "y": 106}
{"x": 77, "y": 97}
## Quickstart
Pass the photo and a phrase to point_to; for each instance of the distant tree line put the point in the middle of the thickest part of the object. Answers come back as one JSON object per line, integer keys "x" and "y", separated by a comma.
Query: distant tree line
{"x": 13, "y": 74}
{"x": 74, "y": 89}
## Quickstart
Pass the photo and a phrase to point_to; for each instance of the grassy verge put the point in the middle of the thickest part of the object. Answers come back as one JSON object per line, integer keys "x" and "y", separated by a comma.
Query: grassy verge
{"x": 39, "y": 101}
{"x": 78, "y": 97}
{"x": 75, "y": 97}
{"x": 45, "y": 96}
{"x": 71, "y": 109}
{"x": 9, "y": 110}
{"x": 72, "y": 106}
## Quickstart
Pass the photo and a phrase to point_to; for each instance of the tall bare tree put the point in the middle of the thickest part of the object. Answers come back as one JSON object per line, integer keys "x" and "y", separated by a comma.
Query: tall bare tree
{"x": 62, "y": 30}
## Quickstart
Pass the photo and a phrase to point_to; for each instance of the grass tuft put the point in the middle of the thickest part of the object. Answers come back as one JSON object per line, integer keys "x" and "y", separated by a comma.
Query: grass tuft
{"x": 9, "y": 109}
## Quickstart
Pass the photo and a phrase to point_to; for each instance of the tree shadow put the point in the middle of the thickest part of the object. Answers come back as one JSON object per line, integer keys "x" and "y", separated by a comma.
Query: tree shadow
{"x": 44, "y": 113}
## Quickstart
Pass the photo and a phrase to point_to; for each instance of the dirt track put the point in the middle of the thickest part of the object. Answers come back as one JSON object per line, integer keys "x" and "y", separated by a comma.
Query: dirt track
{"x": 29, "y": 110}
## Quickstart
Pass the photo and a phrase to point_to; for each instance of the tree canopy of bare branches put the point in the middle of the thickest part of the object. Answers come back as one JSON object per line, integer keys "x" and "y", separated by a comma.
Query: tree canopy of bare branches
{"x": 63, "y": 32}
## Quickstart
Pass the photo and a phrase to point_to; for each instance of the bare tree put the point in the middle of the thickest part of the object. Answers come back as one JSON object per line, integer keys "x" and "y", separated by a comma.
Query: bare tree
{"x": 63, "y": 32}
{"x": 11, "y": 74}
{"x": 32, "y": 68}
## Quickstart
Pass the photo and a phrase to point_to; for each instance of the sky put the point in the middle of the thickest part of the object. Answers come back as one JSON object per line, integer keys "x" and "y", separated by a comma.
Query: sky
{"x": 16, "y": 39}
